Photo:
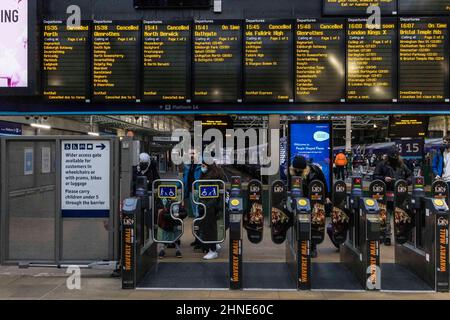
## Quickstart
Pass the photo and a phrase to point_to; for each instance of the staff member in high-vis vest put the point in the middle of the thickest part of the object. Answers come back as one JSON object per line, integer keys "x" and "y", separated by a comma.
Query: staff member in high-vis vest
{"x": 340, "y": 162}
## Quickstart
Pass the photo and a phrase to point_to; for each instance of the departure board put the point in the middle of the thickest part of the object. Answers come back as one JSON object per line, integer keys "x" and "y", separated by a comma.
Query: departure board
{"x": 424, "y": 6}
{"x": 217, "y": 61}
{"x": 423, "y": 69}
{"x": 357, "y": 7}
{"x": 167, "y": 52}
{"x": 371, "y": 61}
{"x": 65, "y": 61}
{"x": 320, "y": 60}
{"x": 268, "y": 61}
{"x": 116, "y": 52}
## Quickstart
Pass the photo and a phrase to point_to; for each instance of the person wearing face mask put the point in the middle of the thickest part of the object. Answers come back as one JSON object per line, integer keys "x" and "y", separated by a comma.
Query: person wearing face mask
{"x": 147, "y": 167}
{"x": 309, "y": 172}
{"x": 441, "y": 162}
{"x": 389, "y": 170}
{"x": 192, "y": 172}
{"x": 208, "y": 227}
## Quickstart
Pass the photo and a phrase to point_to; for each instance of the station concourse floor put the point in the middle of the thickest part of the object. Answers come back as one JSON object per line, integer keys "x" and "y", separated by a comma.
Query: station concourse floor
{"x": 50, "y": 283}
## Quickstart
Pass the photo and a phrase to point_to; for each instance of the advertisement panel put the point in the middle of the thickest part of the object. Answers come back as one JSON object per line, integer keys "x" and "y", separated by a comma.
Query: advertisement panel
{"x": 312, "y": 140}
{"x": 14, "y": 44}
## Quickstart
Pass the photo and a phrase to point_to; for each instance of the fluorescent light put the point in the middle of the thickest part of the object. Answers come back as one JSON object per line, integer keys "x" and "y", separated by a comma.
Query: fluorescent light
{"x": 95, "y": 134}
{"x": 41, "y": 126}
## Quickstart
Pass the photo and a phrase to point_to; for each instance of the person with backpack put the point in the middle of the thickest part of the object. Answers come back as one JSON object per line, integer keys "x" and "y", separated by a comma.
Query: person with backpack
{"x": 340, "y": 162}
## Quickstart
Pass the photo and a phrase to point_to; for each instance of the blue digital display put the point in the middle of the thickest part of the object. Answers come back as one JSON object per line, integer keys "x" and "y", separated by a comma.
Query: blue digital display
{"x": 313, "y": 141}
{"x": 169, "y": 192}
{"x": 209, "y": 191}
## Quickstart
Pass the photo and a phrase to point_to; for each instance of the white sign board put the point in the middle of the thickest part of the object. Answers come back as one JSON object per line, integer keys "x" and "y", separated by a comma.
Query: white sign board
{"x": 85, "y": 181}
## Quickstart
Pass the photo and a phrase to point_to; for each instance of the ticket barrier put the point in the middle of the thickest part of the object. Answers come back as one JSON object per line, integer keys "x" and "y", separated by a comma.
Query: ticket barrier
{"x": 235, "y": 211}
{"x": 361, "y": 252}
{"x": 298, "y": 250}
{"x": 421, "y": 240}
{"x": 143, "y": 269}
{"x": 141, "y": 228}
{"x": 308, "y": 229}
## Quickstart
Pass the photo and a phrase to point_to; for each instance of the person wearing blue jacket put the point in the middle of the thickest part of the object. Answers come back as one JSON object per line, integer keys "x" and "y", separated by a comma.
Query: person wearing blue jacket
{"x": 441, "y": 162}
{"x": 191, "y": 173}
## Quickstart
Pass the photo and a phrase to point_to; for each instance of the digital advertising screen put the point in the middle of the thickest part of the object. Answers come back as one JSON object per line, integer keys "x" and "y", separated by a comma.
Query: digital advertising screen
{"x": 312, "y": 140}
{"x": 17, "y": 23}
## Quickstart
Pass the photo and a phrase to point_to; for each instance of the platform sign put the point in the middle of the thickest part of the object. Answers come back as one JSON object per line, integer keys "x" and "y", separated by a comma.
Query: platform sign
{"x": 85, "y": 178}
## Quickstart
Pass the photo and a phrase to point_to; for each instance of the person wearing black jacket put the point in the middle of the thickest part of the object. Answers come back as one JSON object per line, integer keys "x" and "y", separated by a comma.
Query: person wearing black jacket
{"x": 208, "y": 226}
{"x": 389, "y": 170}
{"x": 308, "y": 172}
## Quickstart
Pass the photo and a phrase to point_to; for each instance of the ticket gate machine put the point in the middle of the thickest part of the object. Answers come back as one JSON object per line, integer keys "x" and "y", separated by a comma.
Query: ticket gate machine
{"x": 235, "y": 211}
{"x": 299, "y": 255}
{"x": 361, "y": 252}
{"x": 425, "y": 250}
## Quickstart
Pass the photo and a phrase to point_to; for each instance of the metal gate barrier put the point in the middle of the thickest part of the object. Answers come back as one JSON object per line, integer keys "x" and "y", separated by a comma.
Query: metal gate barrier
{"x": 58, "y": 202}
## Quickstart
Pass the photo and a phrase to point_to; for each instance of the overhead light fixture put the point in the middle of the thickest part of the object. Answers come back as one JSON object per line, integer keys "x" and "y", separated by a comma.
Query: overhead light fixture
{"x": 95, "y": 134}
{"x": 41, "y": 126}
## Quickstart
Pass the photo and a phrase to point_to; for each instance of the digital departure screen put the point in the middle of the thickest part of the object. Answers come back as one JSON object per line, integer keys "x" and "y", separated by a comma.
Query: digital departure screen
{"x": 408, "y": 126}
{"x": 424, "y": 6}
{"x": 371, "y": 61}
{"x": 65, "y": 61}
{"x": 116, "y": 52}
{"x": 167, "y": 52}
{"x": 320, "y": 61}
{"x": 423, "y": 69}
{"x": 268, "y": 61}
{"x": 217, "y": 61}
{"x": 357, "y": 7}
